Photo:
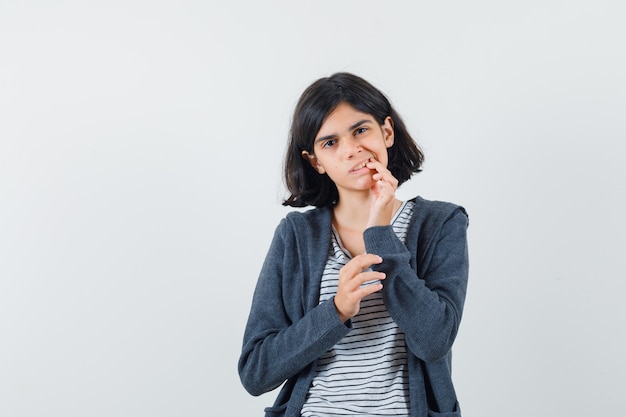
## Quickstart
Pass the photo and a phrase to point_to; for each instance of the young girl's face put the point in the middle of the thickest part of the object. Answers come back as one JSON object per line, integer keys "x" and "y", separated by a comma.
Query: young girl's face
{"x": 348, "y": 139}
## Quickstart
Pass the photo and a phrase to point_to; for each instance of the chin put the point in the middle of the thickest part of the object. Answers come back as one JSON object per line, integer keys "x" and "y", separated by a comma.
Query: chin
{"x": 365, "y": 185}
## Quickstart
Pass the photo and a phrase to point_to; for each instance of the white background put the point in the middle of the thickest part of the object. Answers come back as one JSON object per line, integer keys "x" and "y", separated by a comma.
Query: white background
{"x": 141, "y": 146}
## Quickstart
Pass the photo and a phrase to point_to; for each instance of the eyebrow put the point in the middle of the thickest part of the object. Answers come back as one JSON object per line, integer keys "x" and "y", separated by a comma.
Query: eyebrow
{"x": 354, "y": 126}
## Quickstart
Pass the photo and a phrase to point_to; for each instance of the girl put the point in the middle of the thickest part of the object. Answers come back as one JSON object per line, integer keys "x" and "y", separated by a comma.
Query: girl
{"x": 359, "y": 299}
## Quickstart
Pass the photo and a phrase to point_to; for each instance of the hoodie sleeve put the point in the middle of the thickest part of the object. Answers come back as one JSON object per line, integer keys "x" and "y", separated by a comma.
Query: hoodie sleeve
{"x": 281, "y": 338}
{"x": 427, "y": 308}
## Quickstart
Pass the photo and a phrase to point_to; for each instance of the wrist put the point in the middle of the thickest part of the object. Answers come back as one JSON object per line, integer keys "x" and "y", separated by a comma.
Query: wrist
{"x": 342, "y": 317}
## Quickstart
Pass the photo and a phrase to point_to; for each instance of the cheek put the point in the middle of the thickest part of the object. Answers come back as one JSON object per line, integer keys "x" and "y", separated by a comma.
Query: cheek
{"x": 383, "y": 157}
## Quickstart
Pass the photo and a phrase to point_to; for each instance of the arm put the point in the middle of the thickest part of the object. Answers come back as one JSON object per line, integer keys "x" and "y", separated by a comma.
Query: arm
{"x": 427, "y": 308}
{"x": 280, "y": 337}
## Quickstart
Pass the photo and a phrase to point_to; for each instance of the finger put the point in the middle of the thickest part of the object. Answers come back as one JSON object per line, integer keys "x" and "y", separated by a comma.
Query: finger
{"x": 385, "y": 188}
{"x": 370, "y": 276}
{"x": 385, "y": 176}
{"x": 353, "y": 271}
{"x": 352, "y": 284}
{"x": 376, "y": 165}
{"x": 363, "y": 261}
{"x": 384, "y": 191}
{"x": 351, "y": 290}
{"x": 368, "y": 289}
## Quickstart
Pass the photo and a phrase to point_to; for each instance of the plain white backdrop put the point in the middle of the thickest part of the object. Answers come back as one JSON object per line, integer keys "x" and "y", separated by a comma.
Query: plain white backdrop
{"x": 141, "y": 145}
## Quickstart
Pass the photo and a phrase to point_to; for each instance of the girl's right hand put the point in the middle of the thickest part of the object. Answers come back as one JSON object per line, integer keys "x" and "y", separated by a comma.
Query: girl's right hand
{"x": 350, "y": 289}
{"x": 383, "y": 194}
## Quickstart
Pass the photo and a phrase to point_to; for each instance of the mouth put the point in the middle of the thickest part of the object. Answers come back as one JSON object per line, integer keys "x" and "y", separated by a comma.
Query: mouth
{"x": 360, "y": 166}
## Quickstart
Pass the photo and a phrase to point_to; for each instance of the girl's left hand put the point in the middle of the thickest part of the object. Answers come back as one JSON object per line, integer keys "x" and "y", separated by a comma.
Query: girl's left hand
{"x": 383, "y": 194}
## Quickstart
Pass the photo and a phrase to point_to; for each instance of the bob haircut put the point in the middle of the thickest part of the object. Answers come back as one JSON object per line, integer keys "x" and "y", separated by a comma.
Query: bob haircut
{"x": 306, "y": 186}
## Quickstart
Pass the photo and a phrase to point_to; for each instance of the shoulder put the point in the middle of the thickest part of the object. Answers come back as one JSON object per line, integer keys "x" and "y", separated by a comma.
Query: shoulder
{"x": 436, "y": 208}
{"x": 309, "y": 217}
{"x": 430, "y": 216}
{"x": 302, "y": 237}
{"x": 436, "y": 224}
{"x": 313, "y": 223}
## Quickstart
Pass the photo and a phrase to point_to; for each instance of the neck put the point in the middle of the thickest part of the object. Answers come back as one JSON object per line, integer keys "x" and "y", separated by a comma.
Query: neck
{"x": 352, "y": 211}
{"x": 354, "y": 207}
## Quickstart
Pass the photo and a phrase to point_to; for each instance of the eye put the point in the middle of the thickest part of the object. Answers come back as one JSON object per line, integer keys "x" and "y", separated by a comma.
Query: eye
{"x": 329, "y": 143}
{"x": 360, "y": 130}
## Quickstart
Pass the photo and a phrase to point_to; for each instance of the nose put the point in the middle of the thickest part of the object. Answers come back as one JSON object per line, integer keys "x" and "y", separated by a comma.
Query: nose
{"x": 351, "y": 146}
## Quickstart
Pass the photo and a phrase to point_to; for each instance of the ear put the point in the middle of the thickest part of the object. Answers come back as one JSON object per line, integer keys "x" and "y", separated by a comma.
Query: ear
{"x": 313, "y": 161}
{"x": 387, "y": 128}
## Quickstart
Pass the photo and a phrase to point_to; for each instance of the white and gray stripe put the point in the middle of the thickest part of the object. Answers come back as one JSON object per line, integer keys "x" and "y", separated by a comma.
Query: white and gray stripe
{"x": 365, "y": 372}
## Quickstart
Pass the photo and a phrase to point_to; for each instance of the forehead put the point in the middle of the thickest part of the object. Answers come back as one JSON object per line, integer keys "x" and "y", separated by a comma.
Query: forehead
{"x": 341, "y": 119}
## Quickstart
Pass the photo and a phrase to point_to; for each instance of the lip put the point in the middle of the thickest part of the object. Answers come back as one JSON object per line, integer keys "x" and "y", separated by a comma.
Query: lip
{"x": 363, "y": 164}
{"x": 360, "y": 165}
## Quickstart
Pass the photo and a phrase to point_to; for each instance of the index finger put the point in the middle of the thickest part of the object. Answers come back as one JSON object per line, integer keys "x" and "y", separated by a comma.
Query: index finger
{"x": 374, "y": 163}
{"x": 364, "y": 261}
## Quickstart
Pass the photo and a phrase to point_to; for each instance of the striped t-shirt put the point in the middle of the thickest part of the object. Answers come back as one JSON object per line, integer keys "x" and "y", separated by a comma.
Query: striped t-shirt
{"x": 365, "y": 373}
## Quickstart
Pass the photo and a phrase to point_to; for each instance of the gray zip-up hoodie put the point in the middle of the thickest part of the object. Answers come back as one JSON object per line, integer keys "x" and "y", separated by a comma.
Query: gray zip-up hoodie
{"x": 424, "y": 292}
